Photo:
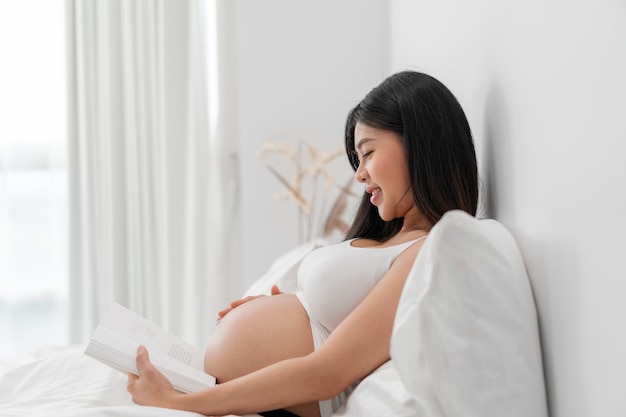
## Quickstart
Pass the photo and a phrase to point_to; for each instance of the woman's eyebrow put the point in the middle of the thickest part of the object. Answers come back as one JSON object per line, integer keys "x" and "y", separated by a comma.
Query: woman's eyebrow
{"x": 362, "y": 141}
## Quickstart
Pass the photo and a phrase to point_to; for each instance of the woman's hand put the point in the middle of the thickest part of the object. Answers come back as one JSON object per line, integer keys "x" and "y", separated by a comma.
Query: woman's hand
{"x": 151, "y": 387}
{"x": 234, "y": 304}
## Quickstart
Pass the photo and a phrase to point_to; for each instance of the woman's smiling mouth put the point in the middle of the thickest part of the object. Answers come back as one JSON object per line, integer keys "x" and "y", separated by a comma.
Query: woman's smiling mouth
{"x": 374, "y": 194}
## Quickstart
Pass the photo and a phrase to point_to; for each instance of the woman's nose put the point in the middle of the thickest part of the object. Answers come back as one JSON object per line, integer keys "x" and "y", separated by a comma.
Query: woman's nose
{"x": 361, "y": 173}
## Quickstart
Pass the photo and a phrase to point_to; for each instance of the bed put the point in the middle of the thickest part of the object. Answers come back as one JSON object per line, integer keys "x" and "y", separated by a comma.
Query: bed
{"x": 465, "y": 342}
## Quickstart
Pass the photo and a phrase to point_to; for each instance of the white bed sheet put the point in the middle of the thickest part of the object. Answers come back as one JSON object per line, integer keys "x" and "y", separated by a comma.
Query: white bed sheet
{"x": 65, "y": 383}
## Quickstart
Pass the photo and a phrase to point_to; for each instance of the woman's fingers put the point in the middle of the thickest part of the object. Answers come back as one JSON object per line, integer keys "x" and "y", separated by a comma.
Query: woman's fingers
{"x": 236, "y": 303}
{"x": 143, "y": 360}
{"x": 132, "y": 378}
{"x": 222, "y": 313}
{"x": 151, "y": 387}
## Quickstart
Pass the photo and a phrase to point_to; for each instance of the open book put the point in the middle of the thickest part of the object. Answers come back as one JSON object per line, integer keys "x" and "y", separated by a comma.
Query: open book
{"x": 115, "y": 341}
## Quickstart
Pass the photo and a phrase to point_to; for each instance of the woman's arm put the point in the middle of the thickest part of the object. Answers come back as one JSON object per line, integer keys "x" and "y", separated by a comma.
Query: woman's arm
{"x": 358, "y": 346}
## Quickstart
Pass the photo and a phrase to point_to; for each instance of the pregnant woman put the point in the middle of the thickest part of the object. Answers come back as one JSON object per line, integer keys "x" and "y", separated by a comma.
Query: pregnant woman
{"x": 411, "y": 147}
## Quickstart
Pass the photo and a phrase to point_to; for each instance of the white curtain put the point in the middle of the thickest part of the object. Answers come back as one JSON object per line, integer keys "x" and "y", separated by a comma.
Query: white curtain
{"x": 149, "y": 228}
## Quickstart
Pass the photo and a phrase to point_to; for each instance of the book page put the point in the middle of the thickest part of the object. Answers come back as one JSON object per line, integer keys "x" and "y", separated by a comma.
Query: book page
{"x": 119, "y": 352}
{"x": 127, "y": 323}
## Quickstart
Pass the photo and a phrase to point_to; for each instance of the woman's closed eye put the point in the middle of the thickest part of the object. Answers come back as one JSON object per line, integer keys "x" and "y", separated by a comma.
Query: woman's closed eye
{"x": 366, "y": 154}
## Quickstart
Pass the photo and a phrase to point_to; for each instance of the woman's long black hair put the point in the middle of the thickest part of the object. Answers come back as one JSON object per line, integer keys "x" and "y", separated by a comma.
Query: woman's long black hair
{"x": 438, "y": 145}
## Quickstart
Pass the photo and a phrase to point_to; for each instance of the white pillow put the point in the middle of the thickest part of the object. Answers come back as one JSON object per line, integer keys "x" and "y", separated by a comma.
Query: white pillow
{"x": 284, "y": 270}
{"x": 465, "y": 339}
{"x": 381, "y": 394}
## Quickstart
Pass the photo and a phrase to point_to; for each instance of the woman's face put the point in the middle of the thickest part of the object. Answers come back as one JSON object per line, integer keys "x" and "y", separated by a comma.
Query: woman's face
{"x": 384, "y": 170}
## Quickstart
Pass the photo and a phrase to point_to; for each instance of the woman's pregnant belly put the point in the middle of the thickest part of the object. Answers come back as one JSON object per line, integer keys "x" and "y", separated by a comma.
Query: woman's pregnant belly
{"x": 256, "y": 334}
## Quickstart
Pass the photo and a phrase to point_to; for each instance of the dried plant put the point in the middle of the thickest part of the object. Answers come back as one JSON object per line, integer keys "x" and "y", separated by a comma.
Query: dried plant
{"x": 310, "y": 186}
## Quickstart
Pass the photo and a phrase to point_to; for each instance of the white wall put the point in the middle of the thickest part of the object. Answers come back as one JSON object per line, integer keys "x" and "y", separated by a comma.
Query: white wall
{"x": 544, "y": 86}
{"x": 301, "y": 66}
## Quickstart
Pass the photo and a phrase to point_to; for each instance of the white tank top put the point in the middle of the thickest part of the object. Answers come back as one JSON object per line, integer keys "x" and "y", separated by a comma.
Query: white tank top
{"x": 335, "y": 279}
